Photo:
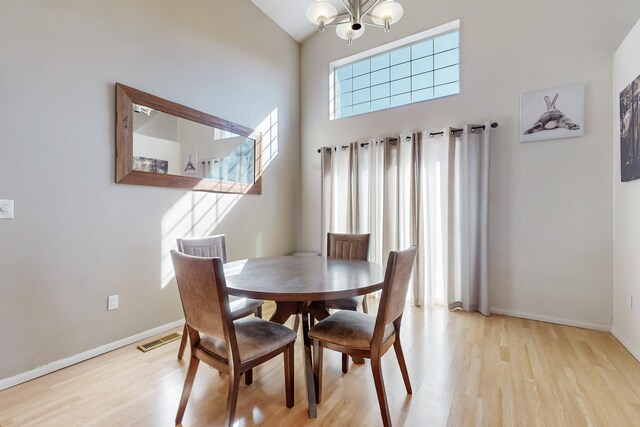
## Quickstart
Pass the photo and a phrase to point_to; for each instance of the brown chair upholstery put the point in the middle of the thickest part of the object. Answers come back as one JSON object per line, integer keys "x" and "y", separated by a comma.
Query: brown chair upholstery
{"x": 348, "y": 246}
{"x": 211, "y": 247}
{"x": 362, "y": 335}
{"x": 232, "y": 347}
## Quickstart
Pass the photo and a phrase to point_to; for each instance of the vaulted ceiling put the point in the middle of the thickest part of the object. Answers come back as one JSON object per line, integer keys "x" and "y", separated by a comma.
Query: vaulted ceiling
{"x": 291, "y": 15}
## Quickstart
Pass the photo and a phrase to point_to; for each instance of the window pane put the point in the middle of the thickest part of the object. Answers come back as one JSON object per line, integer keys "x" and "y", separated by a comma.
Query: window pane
{"x": 344, "y": 86}
{"x": 381, "y": 76}
{"x": 422, "y": 65}
{"x": 447, "y": 75}
{"x": 425, "y": 70}
{"x": 345, "y": 111}
{"x": 422, "y": 81}
{"x": 380, "y": 104}
{"x": 400, "y": 71}
{"x": 361, "y": 67}
{"x": 445, "y": 59}
{"x": 446, "y": 42}
{"x": 380, "y": 61}
{"x": 361, "y": 108}
{"x": 422, "y": 49}
{"x": 345, "y": 99}
{"x": 343, "y": 73}
{"x": 361, "y": 95}
{"x": 449, "y": 89}
{"x": 361, "y": 82}
{"x": 422, "y": 95}
{"x": 400, "y": 99}
{"x": 380, "y": 91}
{"x": 400, "y": 86}
{"x": 401, "y": 55}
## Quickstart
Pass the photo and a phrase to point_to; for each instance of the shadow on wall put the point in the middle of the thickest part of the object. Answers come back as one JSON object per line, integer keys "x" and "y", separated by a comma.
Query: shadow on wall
{"x": 198, "y": 214}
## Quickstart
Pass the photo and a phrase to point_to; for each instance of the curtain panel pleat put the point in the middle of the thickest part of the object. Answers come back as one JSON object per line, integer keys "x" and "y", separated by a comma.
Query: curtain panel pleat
{"x": 427, "y": 189}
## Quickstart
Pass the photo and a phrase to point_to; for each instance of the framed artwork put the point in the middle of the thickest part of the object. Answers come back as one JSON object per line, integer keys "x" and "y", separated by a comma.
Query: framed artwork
{"x": 190, "y": 163}
{"x": 630, "y": 131}
{"x": 146, "y": 164}
{"x": 553, "y": 113}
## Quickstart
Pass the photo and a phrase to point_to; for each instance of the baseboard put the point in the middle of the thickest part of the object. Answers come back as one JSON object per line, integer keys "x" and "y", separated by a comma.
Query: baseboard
{"x": 81, "y": 357}
{"x": 550, "y": 319}
{"x": 634, "y": 351}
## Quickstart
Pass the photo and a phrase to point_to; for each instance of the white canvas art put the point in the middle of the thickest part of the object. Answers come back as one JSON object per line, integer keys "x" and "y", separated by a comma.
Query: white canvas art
{"x": 190, "y": 164}
{"x": 552, "y": 113}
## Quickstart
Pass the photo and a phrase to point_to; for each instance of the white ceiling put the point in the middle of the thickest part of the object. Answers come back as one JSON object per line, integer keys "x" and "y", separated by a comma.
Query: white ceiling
{"x": 291, "y": 15}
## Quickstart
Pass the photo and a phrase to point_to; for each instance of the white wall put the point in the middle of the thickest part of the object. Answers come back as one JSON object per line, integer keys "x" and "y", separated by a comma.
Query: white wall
{"x": 626, "y": 210}
{"x": 161, "y": 149}
{"x": 78, "y": 236}
{"x": 550, "y": 245}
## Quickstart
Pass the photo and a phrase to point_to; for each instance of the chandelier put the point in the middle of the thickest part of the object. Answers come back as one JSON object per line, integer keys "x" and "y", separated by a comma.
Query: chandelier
{"x": 351, "y": 24}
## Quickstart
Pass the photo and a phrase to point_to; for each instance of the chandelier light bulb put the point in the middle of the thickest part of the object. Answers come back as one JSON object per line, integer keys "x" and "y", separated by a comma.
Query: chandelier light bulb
{"x": 321, "y": 13}
{"x": 345, "y": 32}
{"x": 387, "y": 13}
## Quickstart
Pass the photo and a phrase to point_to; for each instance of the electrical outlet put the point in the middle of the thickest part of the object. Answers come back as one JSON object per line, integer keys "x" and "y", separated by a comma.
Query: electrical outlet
{"x": 112, "y": 302}
{"x": 6, "y": 209}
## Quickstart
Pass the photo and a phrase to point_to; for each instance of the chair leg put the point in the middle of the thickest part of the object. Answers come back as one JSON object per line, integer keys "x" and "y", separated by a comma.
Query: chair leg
{"x": 259, "y": 312}
{"x": 232, "y": 398}
{"x": 403, "y": 366}
{"x": 365, "y": 306}
{"x": 317, "y": 369}
{"x": 289, "y": 368}
{"x": 376, "y": 368}
{"x": 186, "y": 390}
{"x": 248, "y": 377}
{"x": 345, "y": 363}
{"x": 183, "y": 342}
{"x": 296, "y": 323}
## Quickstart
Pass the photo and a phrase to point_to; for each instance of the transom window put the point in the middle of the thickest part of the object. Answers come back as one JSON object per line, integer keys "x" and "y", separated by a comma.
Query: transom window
{"x": 415, "y": 71}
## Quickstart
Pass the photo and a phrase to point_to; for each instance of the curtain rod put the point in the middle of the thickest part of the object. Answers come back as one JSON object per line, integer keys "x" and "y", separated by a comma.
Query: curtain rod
{"x": 394, "y": 141}
{"x": 456, "y": 130}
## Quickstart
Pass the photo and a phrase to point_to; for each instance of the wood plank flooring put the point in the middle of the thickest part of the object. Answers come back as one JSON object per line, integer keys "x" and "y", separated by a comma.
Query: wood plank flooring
{"x": 466, "y": 370}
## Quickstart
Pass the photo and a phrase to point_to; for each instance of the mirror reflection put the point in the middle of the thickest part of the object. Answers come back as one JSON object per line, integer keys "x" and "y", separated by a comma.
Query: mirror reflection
{"x": 166, "y": 144}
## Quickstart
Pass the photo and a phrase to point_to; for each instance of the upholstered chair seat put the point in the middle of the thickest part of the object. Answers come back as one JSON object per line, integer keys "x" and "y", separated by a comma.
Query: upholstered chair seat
{"x": 216, "y": 247}
{"x": 233, "y": 347}
{"x": 361, "y": 335}
{"x": 256, "y": 338}
{"x": 349, "y": 329}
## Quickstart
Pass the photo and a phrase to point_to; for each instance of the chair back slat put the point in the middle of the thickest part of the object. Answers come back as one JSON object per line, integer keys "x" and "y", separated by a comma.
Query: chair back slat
{"x": 203, "y": 293}
{"x": 348, "y": 246}
{"x": 208, "y": 247}
{"x": 396, "y": 285}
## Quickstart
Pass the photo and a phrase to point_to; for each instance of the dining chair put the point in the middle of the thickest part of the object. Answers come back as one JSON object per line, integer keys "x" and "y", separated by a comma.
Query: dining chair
{"x": 230, "y": 346}
{"x": 364, "y": 335}
{"x": 215, "y": 246}
{"x": 348, "y": 246}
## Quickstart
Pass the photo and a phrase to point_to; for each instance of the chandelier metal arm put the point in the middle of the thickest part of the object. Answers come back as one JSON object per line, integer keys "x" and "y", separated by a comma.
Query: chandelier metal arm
{"x": 347, "y": 4}
{"x": 369, "y": 5}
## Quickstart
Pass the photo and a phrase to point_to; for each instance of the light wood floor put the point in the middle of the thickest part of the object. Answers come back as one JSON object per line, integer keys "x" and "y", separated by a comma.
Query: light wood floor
{"x": 466, "y": 370}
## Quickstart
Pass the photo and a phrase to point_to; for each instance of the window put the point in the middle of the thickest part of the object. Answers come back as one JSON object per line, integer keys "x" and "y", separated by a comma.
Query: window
{"x": 421, "y": 67}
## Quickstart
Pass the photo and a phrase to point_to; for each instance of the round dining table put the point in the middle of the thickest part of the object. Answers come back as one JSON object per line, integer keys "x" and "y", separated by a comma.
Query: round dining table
{"x": 299, "y": 285}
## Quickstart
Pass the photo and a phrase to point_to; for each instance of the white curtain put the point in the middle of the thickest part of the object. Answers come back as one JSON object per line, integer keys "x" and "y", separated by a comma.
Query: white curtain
{"x": 428, "y": 189}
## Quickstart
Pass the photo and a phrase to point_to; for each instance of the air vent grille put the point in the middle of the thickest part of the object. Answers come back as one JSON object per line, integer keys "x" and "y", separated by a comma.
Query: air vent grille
{"x": 158, "y": 342}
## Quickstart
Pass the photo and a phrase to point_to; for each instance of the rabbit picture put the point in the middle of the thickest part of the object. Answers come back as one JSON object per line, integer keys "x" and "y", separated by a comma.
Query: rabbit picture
{"x": 552, "y": 119}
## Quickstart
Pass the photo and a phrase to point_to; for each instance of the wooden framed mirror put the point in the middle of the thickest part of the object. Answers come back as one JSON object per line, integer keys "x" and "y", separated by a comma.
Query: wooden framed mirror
{"x": 165, "y": 144}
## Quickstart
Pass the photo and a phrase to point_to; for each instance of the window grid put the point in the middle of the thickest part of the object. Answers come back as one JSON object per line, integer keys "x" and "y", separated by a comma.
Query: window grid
{"x": 420, "y": 71}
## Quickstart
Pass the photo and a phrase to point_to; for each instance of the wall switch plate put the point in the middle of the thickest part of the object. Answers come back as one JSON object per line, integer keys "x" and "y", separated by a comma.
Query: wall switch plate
{"x": 6, "y": 209}
{"x": 112, "y": 302}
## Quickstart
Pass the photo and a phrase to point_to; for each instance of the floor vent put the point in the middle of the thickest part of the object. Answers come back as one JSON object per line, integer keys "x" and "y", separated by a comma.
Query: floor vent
{"x": 159, "y": 342}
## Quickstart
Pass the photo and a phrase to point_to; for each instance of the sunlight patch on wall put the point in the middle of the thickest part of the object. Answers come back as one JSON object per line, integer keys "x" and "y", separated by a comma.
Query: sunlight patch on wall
{"x": 198, "y": 214}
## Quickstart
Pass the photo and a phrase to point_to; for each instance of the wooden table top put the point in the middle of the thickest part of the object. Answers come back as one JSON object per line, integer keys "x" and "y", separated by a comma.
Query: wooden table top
{"x": 305, "y": 278}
